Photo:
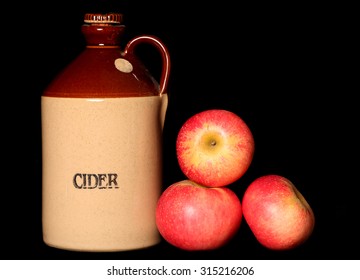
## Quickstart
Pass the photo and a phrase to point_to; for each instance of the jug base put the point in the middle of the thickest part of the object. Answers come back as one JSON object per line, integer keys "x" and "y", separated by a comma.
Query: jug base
{"x": 99, "y": 249}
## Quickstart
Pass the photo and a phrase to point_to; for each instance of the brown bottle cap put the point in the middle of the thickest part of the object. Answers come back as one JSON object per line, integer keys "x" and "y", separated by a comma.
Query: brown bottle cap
{"x": 103, "y": 18}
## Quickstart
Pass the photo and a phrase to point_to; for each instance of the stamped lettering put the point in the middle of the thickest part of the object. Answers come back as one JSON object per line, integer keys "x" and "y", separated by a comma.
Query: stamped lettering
{"x": 95, "y": 181}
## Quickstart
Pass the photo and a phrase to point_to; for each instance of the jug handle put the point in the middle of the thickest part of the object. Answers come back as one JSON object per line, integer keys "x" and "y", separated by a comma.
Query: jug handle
{"x": 129, "y": 48}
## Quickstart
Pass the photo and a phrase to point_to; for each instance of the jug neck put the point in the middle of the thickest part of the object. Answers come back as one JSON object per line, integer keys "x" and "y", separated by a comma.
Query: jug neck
{"x": 103, "y": 30}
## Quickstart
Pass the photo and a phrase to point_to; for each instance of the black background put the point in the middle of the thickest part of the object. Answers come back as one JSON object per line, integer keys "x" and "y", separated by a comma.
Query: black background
{"x": 282, "y": 68}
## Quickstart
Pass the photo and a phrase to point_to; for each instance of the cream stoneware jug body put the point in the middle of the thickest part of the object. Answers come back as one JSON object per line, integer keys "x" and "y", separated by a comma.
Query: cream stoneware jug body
{"x": 102, "y": 119}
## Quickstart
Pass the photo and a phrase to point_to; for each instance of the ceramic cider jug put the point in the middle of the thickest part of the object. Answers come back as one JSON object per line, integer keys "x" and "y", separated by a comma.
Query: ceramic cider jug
{"x": 102, "y": 120}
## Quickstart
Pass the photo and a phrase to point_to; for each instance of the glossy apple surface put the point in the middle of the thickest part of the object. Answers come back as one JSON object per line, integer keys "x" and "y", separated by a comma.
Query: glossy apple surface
{"x": 277, "y": 213}
{"x": 214, "y": 148}
{"x": 193, "y": 217}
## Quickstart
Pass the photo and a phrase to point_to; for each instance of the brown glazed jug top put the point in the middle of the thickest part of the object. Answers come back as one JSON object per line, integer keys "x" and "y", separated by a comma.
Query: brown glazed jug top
{"x": 103, "y": 69}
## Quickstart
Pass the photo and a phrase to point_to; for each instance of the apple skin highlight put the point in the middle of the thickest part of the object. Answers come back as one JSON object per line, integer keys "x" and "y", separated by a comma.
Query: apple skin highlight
{"x": 193, "y": 217}
{"x": 214, "y": 148}
{"x": 277, "y": 214}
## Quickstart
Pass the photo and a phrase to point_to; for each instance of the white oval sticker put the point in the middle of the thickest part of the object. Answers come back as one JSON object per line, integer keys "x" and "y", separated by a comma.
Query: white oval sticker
{"x": 123, "y": 65}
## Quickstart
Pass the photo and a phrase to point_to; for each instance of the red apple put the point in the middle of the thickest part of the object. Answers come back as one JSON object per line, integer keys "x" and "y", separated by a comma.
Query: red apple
{"x": 277, "y": 213}
{"x": 194, "y": 217}
{"x": 214, "y": 148}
